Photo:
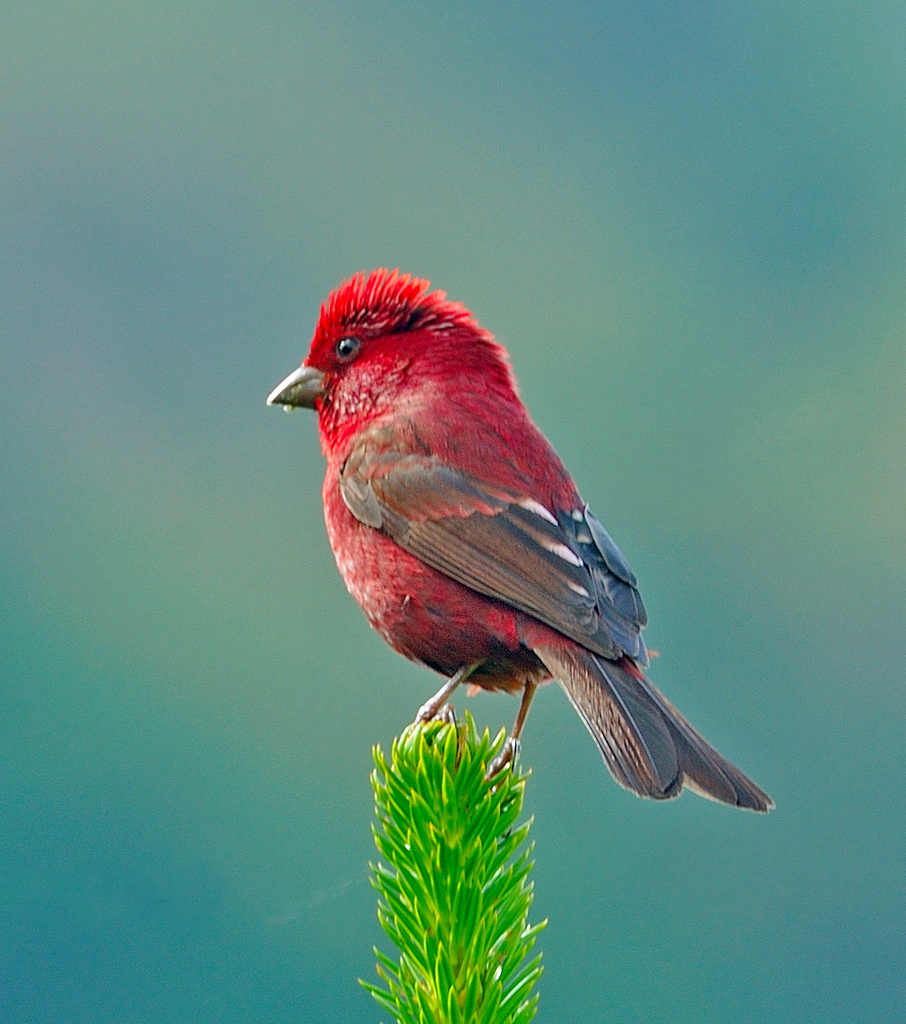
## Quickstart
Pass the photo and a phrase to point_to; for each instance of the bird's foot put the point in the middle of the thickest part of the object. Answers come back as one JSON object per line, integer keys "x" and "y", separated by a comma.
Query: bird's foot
{"x": 447, "y": 714}
{"x": 437, "y": 706}
{"x": 509, "y": 752}
{"x": 431, "y": 712}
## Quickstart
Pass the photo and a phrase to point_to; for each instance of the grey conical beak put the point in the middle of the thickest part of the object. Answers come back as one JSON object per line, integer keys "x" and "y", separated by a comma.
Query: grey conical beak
{"x": 300, "y": 388}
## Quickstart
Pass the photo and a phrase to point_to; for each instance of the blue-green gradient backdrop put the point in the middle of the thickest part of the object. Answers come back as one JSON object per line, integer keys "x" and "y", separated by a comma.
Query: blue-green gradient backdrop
{"x": 688, "y": 224}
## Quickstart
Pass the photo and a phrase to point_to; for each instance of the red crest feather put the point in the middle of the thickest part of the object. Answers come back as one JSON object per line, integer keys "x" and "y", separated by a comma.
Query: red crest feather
{"x": 387, "y": 302}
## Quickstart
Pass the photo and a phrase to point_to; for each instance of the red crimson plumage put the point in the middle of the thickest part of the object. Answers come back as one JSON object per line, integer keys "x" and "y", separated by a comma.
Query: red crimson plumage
{"x": 462, "y": 536}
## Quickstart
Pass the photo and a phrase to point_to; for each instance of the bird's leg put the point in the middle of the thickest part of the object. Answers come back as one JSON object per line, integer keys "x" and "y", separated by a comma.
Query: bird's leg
{"x": 431, "y": 709}
{"x": 511, "y": 745}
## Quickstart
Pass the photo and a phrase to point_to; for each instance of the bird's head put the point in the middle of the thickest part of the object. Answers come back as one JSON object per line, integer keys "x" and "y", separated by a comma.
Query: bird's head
{"x": 384, "y": 341}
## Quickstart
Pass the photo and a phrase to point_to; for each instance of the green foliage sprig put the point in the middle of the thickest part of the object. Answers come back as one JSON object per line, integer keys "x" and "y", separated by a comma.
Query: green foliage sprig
{"x": 453, "y": 881}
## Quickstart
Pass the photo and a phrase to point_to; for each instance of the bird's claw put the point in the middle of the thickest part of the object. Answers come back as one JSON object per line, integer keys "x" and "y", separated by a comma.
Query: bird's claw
{"x": 429, "y": 713}
{"x": 447, "y": 715}
{"x": 509, "y": 752}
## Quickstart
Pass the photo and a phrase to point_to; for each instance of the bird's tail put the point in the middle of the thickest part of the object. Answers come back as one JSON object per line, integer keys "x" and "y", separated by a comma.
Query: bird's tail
{"x": 646, "y": 743}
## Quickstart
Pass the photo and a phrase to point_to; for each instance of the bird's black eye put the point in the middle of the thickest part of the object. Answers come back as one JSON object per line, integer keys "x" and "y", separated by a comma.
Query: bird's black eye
{"x": 347, "y": 349}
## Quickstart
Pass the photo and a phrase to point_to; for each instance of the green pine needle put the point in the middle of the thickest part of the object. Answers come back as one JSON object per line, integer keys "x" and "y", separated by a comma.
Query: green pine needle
{"x": 453, "y": 881}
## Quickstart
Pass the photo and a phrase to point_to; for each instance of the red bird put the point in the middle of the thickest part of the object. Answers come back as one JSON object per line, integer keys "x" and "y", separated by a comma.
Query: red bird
{"x": 460, "y": 533}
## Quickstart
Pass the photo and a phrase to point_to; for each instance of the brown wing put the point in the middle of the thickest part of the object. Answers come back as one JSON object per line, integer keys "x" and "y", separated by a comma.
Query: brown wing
{"x": 560, "y": 567}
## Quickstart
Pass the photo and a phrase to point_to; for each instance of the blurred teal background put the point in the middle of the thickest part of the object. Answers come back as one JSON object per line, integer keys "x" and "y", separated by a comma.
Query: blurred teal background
{"x": 688, "y": 224}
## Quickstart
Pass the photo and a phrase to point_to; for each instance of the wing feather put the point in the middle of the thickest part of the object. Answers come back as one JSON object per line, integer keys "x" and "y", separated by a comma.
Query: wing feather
{"x": 557, "y": 567}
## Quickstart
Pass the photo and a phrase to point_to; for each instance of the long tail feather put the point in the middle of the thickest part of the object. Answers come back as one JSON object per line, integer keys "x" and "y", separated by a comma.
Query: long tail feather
{"x": 649, "y": 747}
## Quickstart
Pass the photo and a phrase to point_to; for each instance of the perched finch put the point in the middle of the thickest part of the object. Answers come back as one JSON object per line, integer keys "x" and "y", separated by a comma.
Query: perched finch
{"x": 460, "y": 533}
